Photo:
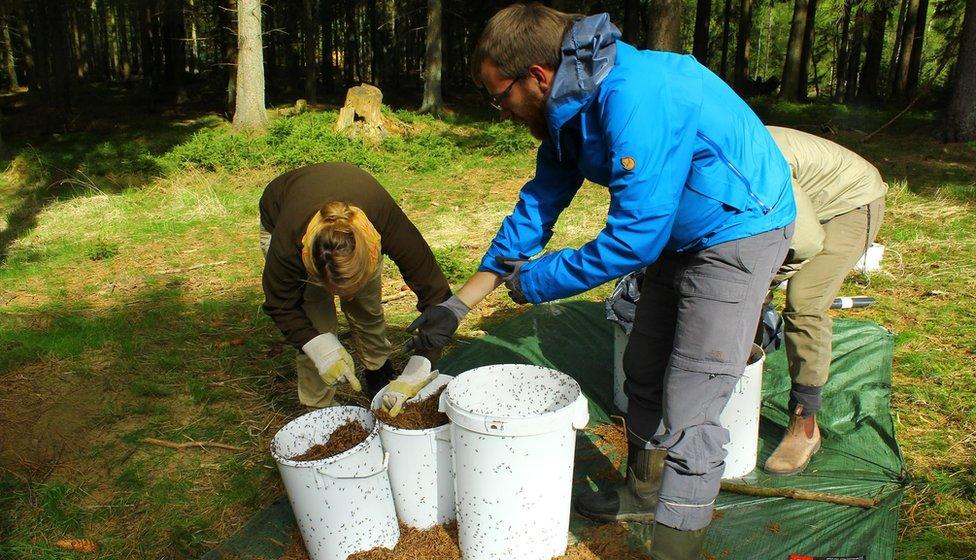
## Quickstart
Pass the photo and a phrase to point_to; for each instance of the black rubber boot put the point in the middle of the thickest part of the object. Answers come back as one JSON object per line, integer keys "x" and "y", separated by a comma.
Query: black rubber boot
{"x": 635, "y": 499}
{"x": 671, "y": 544}
{"x": 376, "y": 379}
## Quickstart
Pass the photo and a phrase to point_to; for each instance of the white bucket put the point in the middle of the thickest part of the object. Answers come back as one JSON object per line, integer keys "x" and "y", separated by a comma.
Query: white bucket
{"x": 342, "y": 503}
{"x": 421, "y": 473}
{"x": 741, "y": 418}
{"x": 870, "y": 261}
{"x": 513, "y": 430}
{"x": 741, "y": 414}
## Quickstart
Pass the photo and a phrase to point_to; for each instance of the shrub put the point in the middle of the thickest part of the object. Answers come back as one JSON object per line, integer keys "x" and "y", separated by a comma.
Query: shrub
{"x": 218, "y": 148}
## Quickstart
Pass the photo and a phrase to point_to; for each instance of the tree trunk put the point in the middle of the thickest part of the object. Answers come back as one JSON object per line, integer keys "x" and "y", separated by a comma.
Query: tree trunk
{"x": 807, "y": 54}
{"x": 310, "y": 35}
{"x": 703, "y": 19}
{"x": 664, "y": 25}
{"x": 741, "y": 73}
{"x": 433, "y": 61}
{"x": 349, "y": 51}
{"x": 249, "y": 113}
{"x": 896, "y": 46}
{"x": 8, "y": 47}
{"x": 842, "y": 53}
{"x": 28, "y": 48}
{"x": 62, "y": 55}
{"x": 227, "y": 19}
{"x": 328, "y": 62}
{"x": 854, "y": 56}
{"x": 870, "y": 82}
{"x": 726, "y": 35}
{"x": 915, "y": 67}
{"x": 194, "y": 61}
{"x": 631, "y": 21}
{"x": 960, "y": 123}
{"x": 899, "y": 87}
{"x": 374, "y": 47}
{"x": 174, "y": 48}
{"x": 792, "y": 81}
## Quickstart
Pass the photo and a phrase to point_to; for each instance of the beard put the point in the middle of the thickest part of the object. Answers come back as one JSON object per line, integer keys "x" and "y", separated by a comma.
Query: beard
{"x": 533, "y": 114}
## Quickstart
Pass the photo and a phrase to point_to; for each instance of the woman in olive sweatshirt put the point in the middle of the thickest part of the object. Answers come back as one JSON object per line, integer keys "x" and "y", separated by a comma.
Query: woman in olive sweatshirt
{"x": 324, "y": 231}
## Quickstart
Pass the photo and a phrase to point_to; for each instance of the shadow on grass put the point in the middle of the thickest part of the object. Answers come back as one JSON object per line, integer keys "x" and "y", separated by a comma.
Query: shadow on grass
{"x": 111, "y": 147}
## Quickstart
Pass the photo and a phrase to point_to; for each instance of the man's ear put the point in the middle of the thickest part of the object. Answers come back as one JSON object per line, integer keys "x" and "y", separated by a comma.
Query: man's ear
{"x": 543, "y": 75}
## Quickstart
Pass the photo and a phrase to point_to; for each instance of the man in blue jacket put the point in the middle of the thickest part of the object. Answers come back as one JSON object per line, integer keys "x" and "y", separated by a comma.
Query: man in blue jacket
{"x": 700, "y": 196}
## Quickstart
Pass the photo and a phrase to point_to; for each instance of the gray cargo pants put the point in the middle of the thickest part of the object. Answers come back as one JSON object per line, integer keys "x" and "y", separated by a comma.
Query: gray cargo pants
{"x": 692, "y": 334}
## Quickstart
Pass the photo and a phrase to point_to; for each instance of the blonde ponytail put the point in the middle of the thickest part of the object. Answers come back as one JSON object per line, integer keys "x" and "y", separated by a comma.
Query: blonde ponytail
{"x": 340, "y": 248}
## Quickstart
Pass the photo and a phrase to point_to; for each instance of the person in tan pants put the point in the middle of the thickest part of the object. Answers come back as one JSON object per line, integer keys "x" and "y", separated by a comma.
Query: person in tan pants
{"x": 840, "y": 204}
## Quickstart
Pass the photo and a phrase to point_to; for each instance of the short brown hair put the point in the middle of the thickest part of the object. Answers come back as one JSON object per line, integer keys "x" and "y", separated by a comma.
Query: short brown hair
{"x": 340, "y": 248}
{"x": 519, "y": 36}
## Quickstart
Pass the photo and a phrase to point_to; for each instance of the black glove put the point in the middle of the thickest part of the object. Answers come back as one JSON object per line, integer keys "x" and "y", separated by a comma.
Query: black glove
{"x": 511, "y": 279}
{"x": 437, "y": 325}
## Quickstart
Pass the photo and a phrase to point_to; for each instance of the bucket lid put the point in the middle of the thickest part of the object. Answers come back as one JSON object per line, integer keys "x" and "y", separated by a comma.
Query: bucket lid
{"x": 515, "y": 400}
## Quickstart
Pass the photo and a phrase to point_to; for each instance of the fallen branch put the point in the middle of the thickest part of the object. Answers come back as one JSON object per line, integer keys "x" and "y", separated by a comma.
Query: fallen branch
{"x": 397, "y": 296}
{"x": 797, "y": 494}
{"x": 893, "y": 119}
{"x": 188, "y": 269}
{"x": 189, "y": 444}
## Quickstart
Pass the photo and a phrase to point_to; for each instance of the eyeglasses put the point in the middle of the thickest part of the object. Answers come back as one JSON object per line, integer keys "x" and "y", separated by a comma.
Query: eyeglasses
{"x": 496, "y": 99}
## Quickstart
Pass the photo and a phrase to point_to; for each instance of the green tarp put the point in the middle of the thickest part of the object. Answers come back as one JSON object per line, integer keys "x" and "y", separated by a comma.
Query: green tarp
{"x": 860, "y": 456}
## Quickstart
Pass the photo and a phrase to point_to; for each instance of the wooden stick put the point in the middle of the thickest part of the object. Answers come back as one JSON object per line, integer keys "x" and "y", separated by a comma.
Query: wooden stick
{"x": 189, "y": 444}
{"x": 188, "y": 269}
{"x": 395, "y": 297}
{"x": 893, "y": 119}
{"x": 797, "y": 494}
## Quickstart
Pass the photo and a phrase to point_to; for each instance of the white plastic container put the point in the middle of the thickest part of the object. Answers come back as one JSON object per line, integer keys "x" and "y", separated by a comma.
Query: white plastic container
{"x": 342, "y": 503}
{"x": 741, "y": 414}
{"x": 421, "y": 473}
{"x": 513, "y": 430}
{"x": 870, "y": 261}
{"x": 741, "y": 418}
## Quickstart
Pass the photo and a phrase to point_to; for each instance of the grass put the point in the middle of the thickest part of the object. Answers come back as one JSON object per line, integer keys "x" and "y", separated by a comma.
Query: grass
{"x": 131, "y": 300}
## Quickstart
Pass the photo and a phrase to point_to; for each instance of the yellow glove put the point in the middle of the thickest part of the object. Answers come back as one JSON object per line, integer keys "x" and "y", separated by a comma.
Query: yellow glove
{"x": 332, "y": 361}
{"x": 416, "y": 375}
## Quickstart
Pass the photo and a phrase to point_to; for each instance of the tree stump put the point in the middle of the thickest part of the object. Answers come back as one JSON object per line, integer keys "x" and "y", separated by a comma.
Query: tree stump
{"x": 361, "y": 115}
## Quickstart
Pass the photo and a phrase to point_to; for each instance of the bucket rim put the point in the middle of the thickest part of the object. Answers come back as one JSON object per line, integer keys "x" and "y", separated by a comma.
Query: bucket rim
{"x": 373, "y": 433}
{"x": 575, "y": 413}
{"x": 560, "y": 410}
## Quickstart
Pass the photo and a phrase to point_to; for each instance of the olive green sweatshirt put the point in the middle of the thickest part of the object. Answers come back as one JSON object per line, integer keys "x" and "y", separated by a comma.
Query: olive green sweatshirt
{"x": 288, "y": 204}
{"x": 828, "y": 180}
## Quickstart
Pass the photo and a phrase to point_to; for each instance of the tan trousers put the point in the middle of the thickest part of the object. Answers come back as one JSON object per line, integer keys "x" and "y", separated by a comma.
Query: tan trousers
{"x": 808, "y": 327}
{"x": 364, "y": 313}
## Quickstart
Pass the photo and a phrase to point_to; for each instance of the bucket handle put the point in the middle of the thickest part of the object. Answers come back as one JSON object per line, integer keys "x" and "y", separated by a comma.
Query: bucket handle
{"x": 442, "y": 403}
{"x": 319, "y": 473}
{"x": 581, "y": 414}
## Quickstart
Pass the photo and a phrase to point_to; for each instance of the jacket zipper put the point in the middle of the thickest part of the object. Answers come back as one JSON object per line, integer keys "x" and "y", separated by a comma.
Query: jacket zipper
{"x": 721, "y": 155}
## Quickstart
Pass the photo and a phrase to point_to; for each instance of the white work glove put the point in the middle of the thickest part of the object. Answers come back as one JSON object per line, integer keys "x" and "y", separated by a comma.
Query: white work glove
{"x": 416, "y": 375}
{"x": 332, "y": 361}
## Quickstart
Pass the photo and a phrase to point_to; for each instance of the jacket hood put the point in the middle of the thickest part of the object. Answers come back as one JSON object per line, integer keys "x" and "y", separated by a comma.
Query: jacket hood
{"x": 589, "y": 51}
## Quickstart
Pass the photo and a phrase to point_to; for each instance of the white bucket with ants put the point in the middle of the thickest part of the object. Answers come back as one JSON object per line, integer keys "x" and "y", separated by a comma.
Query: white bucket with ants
{"x": 513, "y": 430}
{"x": 342, "y": 503}
{"x": 740, "y": 416}
{"x": 870, "y": 261}
{"x": 421, "y": 472}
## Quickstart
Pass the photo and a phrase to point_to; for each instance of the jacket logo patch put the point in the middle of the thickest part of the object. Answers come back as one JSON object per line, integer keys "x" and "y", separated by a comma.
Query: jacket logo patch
{"x": 628, "y": 163}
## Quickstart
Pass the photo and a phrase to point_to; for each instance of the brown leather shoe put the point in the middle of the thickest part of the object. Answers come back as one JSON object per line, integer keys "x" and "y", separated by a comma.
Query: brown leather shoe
{"x": 800, "y": 442}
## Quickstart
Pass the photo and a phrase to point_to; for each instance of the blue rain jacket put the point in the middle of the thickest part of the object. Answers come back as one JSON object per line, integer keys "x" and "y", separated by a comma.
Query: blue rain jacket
{"x": 687, "y": 162}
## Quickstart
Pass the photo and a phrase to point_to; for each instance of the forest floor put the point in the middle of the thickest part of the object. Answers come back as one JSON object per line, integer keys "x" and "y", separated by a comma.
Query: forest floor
{"x": 130, "y": 309}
